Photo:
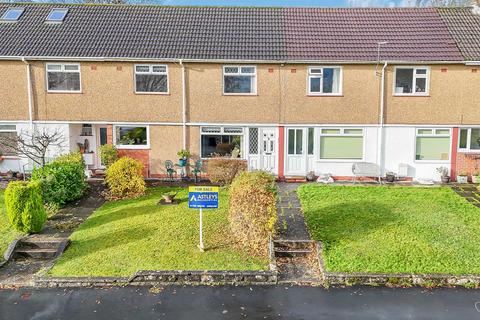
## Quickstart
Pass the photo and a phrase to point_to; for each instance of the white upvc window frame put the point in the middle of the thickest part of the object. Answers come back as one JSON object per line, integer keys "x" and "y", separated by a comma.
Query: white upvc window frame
{"x": 433, "y": 134}
{"x": 150, "y": 66}
{"x": 425, "y": 76}
{"x": 311, "y": 75}
{"x": 14, "y": 130}
{"x": 49, "y": 18}
{"x": 220, "y": 131}
{"x": 469, "y": 140}
{"x": 129, "y": 146}
{"x": 62, "y": 69}
{"x": 239, "y": 73}
{"x": 20, "y": 11}
{"x": 340, "y": 134}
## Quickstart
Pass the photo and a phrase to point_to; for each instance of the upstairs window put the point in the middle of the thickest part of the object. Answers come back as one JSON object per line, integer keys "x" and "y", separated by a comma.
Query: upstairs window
{"x": 239, "y": 80}
{"x": 469, "y": 139}
{"x": 411, "y": 81}
{"x": 432, "y": 144}
{"x": 12, "y": 14}
{"x": 57, "y": 15}
{"x": 63, "y": 77}
{"x": 324, "y": 80}
{"x": 151, "y": 78}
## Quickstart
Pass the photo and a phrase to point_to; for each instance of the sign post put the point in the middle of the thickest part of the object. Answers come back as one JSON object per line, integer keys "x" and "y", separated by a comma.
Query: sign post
{"x": 202, "y": 198}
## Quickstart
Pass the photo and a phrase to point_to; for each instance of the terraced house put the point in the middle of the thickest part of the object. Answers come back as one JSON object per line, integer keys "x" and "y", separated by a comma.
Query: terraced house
{"x": 287, "y": 90}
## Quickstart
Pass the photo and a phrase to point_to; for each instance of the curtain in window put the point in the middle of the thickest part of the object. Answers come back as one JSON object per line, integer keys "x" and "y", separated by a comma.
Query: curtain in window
{"x": 433, "y": 148}
{"x": 336, "y": 147}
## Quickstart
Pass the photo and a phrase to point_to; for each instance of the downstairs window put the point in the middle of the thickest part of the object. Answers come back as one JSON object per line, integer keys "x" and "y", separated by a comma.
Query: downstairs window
{"x": 432, "y": 144}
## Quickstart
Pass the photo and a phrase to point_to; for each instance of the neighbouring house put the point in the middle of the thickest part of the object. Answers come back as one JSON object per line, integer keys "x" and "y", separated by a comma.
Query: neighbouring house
{"x": 288, "y": 90}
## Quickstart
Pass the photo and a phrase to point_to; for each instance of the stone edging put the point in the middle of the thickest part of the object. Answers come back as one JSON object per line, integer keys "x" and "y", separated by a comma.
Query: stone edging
{"x": 10, "y": 249}
{"x": 394, "y": 279}
{"x": 155, "y": 277}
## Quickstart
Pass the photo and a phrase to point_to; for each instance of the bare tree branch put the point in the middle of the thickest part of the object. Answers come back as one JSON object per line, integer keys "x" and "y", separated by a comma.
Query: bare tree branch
{"x": 34, "y": 145}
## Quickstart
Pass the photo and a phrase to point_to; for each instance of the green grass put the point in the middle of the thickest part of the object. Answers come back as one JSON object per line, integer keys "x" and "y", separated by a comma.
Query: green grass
{"x": 7, "y": 234}
{"x": 393, "y": 229}
{"x": 123, "y": 237}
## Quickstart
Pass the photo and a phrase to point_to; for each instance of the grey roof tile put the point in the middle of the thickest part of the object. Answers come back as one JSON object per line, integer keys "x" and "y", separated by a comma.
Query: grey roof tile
{"x": 229, "y": 33}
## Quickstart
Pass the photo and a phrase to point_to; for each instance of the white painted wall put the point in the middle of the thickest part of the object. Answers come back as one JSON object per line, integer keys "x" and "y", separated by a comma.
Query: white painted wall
{"x": 399, "y": 148}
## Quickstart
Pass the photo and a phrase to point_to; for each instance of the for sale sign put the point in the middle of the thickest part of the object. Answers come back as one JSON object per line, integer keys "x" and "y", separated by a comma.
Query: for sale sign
{"x": 203, "y": 197}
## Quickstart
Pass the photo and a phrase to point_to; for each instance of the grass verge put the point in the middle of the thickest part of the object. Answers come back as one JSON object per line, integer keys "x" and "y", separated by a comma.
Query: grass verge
{"x": 393, "y": 229}
{"x": 125, "y": 236}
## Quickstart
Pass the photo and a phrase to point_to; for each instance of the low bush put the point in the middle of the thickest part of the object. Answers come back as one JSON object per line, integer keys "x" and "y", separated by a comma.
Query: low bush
{"x": 108, "y": 154}
{"x": 24, "y": 206}
{"x": 124, "y": 179}
{"x": 223, "y": 171}
{"x": 252, "y": 210}
{"x": 62, "y": 180}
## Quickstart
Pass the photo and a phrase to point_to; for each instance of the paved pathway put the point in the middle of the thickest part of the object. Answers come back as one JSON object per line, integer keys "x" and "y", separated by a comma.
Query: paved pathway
{"x": 291, "y": 222}
{"x": 295, "y": 253}
{"x": 469, "y": 192}
{"x": 21, "y": 272}
{"x": 211, "y": 303}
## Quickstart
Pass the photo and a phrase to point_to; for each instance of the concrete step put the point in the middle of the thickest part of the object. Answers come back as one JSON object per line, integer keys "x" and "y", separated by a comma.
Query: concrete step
{"x": 40, "y": 243}
{"x": 294, "y": 244}
{"x": 38, "y": 254}
{"x": 284, "y": 253}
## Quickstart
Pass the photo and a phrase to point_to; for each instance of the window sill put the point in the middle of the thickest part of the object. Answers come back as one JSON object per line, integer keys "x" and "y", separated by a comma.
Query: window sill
{"x": 324, "y": 95}
{"x": 153, "y": 93}
{"x": 411, "y": 95}
{"x": 432, "y": 161}
{"x": 469, "y": 151}
{"x": 240, "y": 94}
{"x": 10, "y": 158}
{"x": 64, "y": 92}
{"x": 120, "y": 147}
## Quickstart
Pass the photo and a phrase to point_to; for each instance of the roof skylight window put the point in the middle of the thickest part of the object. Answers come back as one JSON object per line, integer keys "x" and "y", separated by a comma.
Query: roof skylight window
{"x": 57, "y": 15}
{"x": 12, "y": 14}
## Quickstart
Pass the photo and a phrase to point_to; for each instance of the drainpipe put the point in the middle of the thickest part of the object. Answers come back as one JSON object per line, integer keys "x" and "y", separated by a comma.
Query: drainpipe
{"x": 381, "y": 120}
{"x": 184, "y": 106}
{"x": 29, "y": 92}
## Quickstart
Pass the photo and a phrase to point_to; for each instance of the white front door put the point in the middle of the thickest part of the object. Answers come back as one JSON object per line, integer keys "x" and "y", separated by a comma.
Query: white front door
{"x": 263, "y": 149}
{"x": 268, "y": 150}
{"x": 296, "y": 163}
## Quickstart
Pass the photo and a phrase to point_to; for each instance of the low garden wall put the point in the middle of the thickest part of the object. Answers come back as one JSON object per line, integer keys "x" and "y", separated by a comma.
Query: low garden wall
{"x": 393, "y": 279}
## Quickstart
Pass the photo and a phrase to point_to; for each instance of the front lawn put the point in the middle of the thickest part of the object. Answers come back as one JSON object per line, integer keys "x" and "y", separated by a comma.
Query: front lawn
{"x": 393, "y": 229}
{"x": 123, "y": 237}
{"x": 7, "y": 234}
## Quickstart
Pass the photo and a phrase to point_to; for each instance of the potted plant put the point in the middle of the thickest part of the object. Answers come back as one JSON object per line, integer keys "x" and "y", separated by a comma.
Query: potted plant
{"x": 444, "y": 174}
{"x": 462, "y": 177}
{"x": 476, "y": 177}
{"x": 390, "y": 176}
{"x": 311, "y": 176}
{"x": 169, "y": 197}
{"x": 183, "y": 155}
{"x": 9, "y": 175}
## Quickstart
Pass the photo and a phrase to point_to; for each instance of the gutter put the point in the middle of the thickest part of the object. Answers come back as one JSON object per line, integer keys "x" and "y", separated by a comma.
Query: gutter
{"x": 29, "y": 93}
{"x": 381, "y": 121}
{"x": 176, "y": 60}
{"x": 184, "y": 106}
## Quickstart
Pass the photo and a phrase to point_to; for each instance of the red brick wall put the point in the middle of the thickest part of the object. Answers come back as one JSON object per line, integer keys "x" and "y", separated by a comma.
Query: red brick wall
{"x": 141, "y": 155}
{"x": 469, "y": 162}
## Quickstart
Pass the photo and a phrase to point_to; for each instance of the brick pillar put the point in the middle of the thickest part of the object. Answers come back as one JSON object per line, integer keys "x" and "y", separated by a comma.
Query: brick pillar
{"x": 281, "y": 152}
{"x": 110, "y": 134}
{"x": 453, "y": 155}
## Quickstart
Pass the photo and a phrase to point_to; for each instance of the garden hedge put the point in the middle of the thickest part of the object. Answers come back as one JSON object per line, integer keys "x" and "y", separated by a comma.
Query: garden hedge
{"x": 223, "y": 171}
{"x": 24, "y": 206}
{"x": 62, "y": 180}
{"x": 252, "y": 210}
{"x": 125, "y": 179}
